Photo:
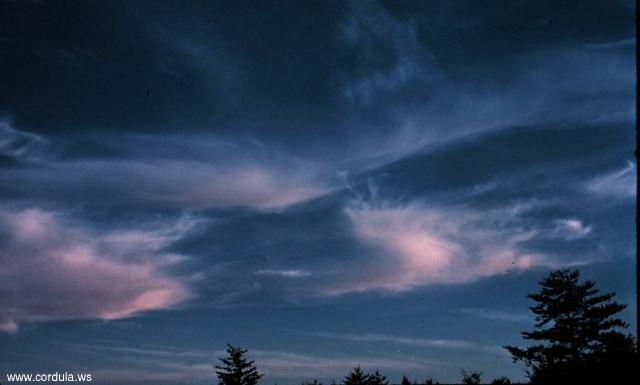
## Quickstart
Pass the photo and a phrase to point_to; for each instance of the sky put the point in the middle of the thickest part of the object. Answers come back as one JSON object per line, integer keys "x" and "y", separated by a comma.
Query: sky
{"x": 325, "y": 183}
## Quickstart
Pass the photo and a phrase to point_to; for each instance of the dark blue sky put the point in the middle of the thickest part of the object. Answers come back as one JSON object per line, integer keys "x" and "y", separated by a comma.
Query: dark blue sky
{"x": 325, "y": 183}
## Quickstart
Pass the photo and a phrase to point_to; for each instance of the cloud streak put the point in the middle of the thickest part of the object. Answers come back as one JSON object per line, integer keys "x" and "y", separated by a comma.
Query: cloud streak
{"x": 22, "y": 145}
{"x": 620, "y": 183}
{"x": 181, "y": 173}
{"x": 447, "y": 344}
{"x": 151, "y": 363}
{"x": 294, "y": 273}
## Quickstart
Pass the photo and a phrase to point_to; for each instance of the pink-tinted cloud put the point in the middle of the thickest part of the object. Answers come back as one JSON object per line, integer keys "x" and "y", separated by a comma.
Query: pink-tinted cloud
{"x": 55, "y": 268}
{"x": 420, "y": 246}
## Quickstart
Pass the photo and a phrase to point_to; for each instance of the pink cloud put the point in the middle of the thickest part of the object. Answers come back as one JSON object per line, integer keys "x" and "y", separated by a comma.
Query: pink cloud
{"x": 55, "y": 268}
{"x": 421, "y": 246}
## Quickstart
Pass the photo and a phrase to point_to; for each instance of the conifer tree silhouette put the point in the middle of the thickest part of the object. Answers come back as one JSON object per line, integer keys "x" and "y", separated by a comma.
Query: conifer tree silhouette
{"x": 377, "y": 379}
{"x": 502, "y": 380}
{"x": 405, "y": 381}
{"x": 471, "y": 378}
{"x": 579, "y": 331}
{"x": 236, "y": 369}
{"x": 356, "y": 377}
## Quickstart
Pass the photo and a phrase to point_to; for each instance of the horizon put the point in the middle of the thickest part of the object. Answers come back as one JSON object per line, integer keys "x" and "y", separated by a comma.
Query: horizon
{"x": 324, "y": 183}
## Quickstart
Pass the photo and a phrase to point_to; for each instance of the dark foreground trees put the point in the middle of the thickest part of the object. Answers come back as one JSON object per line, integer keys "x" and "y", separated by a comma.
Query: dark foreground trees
{"x": 235, "y": 369}
{"x": 579, "y": 335}
{"x": 471, "y": 378}
{"x": 358, "y": 377}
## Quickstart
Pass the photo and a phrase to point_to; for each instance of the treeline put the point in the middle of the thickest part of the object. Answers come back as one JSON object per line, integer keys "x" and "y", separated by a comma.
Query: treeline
{"x": 577, "y": 339}
{"x": 236, "y": 369}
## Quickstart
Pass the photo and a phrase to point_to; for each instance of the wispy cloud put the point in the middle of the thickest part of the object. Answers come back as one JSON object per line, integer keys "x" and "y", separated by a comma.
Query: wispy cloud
{"x": 434, "y": 246}
{"x": 571, "y": 228}
{"x": 58, "y": 267}
{"x": 497, "y": 315}
{"x": 447, "y": 344}
{"x": 288, "y": 364}
{"x": 368, "y": 23}
{"x": 293, "y": 273}
{"x": 612, "y": 44}
{"x": 547, "y": 84}
{"x": 184, "y": 172}
{"x": 21, "y": 144}
{"x": 189, "y": 365}
{"x": 617, "y": 183}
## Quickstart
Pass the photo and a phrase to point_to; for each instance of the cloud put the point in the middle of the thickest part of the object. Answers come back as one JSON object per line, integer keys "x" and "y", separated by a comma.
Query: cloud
{"x": 619, "y": 183}
{"x": 196, "y": 185}
{"x": 370, "y": 27}
{"x": 571, "y": 229}
{"x": 410, "y": 341}
{"x": 120, "y": 363}
{"x": 612, "y": 44}
{"x": 288, "y": 364}
{"x": 22, "y": 145}
{"x": 56, "y": 267}
{"x": 421, "y": 246}
{"x": 188, "y": 365}
{"x": 180, "y": 172}
{"x": 497, "y": 315}
{"x": 404, "y": 70}
{"x": 294, "y": 273}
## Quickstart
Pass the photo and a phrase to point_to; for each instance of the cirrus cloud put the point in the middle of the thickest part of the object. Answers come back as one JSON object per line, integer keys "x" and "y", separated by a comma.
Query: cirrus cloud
{"x": 57, "y": 268}
{"x": 180, "y": 172}
{"x": 420, "y": 246}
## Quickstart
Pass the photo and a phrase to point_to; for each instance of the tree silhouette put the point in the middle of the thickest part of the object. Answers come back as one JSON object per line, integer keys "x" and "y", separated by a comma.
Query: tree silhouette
{"x": 236, "y": 369}
{"x": 471, "y": 378}
{"x": 502, "y": 380}
{"x": 356, "y": 377}
{"x": 377, "y": 379}
{"x": 405, "y": 381}
{"x": 578, "y": 328}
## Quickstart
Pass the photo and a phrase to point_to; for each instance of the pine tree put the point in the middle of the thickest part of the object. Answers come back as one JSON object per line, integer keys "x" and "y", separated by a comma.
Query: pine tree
{"x": 236, "y": 369}
{"x": 502, "y": 380}
{"x": 471, "y": 378}
{"x": 579, "y": 331}
{"x": 377, "y": 379}
{"x": 356, "y": 377}
{"x": 405, "y": 381}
